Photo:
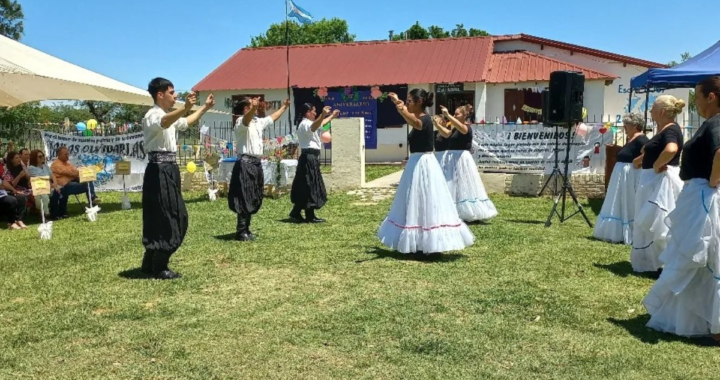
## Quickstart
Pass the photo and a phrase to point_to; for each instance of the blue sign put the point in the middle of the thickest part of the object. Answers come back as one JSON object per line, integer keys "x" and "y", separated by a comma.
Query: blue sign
{"x": 357, "y": 104}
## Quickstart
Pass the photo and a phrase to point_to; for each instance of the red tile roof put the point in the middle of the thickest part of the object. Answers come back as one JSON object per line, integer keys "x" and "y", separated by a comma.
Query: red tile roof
{"x": 579, "y": 49}
{"x": 522, "y": 66}
{"x": 360, "y": 64}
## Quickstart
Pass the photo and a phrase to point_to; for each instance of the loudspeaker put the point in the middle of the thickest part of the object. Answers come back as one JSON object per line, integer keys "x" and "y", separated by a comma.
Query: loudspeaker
{"x": 566, "y": 97}
{"x": 545, "y": 105}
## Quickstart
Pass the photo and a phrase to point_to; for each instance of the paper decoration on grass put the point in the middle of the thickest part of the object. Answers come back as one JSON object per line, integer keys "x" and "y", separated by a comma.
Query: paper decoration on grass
{"x": 91, "y": 211}
{"x": 41, "y": 186}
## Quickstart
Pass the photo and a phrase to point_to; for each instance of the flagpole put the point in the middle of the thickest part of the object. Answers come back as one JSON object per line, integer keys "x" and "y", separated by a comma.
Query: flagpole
{"x": 287, "y": 60}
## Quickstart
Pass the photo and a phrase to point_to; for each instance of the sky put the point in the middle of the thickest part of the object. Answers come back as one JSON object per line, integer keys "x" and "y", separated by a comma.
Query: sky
{"x": 135, "y": 40}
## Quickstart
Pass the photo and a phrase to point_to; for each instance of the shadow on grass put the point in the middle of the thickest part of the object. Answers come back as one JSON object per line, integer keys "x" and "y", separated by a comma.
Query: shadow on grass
{"x": 134, "y": 274}
{"x": 596, "y": 205}
{"x": 637, "y": 328}
{"x": 382, "y": 253}
{"x": 624, "y": 269}
{"x": 526, "y": 221}
{"x": 226, "y": 237}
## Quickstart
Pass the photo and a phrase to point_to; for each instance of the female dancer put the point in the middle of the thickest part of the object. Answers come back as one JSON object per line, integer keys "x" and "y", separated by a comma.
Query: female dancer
{"x": 422, "y": 217}
{"x": 615, "y": 222}
{"x": 461, "y": 172}
{"x": 658, "y": 186}
{"x": 685, "y": 300}
{"x": 441, "y": 141}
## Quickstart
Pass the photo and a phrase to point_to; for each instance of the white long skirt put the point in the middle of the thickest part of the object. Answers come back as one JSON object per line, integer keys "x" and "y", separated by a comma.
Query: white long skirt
{"x": 465, "y": 185}
{"x": 423, "y": 217}
{"x": 654, "y": 200}
{"x": 615, "y": 222}
{"x": 685, "y": 300}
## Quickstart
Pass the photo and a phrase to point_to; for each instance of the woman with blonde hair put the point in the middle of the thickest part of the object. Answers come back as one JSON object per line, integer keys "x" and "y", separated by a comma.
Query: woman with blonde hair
{"x": 615, "y": 222}
{"x": 460, "y": 169}
{"x": 685, "y": 300}
{"x": 658, "y": 186}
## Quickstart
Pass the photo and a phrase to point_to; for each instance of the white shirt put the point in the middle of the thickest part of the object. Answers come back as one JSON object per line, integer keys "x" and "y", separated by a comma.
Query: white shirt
{"x": 307, "y": 138}
{"x": 157, "y": 138}
{"x": 249, "y": 139}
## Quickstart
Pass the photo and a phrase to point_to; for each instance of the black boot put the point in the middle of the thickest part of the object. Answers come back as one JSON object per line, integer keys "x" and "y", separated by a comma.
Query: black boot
{"x": 147, "y": 263}
{"x": 311, "y": 218}
{"x": 160, "y": 267}
{"x": 295, "y": 214}
{"x": 251, "y": 236}
{"x": 241, "y": 231}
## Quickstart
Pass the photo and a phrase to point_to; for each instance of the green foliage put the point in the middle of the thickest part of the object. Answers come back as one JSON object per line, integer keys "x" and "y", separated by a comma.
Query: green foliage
{"x": 321, "y": 32}
{"x": 418, "y": 32}
{"x": 11, "y": 19}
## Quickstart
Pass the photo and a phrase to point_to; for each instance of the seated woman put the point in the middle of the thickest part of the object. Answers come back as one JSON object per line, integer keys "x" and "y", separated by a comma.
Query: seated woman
{"x": 12, "y": 207}
{"x": 16, "y": 175}
{"x": 38, "y": 168}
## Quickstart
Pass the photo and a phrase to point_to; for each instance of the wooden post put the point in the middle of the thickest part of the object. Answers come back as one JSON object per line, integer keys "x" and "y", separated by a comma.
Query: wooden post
{"x": 610, "y": 161}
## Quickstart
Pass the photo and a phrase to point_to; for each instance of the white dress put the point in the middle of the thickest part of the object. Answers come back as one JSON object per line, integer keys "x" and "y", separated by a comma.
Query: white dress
{"x": 654, "y": 199}
{"x": 685, "y": 300}
{"x": 423, "y": 217}
{"x": 615, "y": 222}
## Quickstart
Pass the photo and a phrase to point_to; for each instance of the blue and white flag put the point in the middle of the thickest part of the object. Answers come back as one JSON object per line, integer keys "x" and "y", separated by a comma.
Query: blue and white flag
{"x": 294, "y": 11}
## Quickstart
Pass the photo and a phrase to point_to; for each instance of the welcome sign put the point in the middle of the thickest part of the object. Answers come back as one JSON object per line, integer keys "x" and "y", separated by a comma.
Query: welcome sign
{"x": 104, "y": 153}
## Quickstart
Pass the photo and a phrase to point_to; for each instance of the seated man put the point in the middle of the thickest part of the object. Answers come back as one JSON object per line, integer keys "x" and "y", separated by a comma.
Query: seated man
{"x": 68, "y": 178}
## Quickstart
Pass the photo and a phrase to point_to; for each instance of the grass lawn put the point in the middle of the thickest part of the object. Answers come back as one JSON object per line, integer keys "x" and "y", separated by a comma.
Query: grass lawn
{"x": 372, "y": 172}
{"x": 329, "y": 302}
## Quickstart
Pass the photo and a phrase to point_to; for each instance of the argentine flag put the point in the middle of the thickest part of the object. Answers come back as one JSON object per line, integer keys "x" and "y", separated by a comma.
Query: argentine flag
{"x": 298, "y": 13}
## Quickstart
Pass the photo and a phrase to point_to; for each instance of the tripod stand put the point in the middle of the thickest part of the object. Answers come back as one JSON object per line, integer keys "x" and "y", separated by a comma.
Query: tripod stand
{"x": 566, "y": 186}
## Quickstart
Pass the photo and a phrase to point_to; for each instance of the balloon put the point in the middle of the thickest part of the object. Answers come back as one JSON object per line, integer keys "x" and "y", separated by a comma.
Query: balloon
{"x": 326, "y": 137}
{"x": 191, "y": 167}
{"x": 87, "y": 133}
{"x": 92, "y": 124}
{"x": 80, "y": 126}
{"x": 603, "y": 130}
{"x": 581, "y": 130}
{"x": 584, "y": 113}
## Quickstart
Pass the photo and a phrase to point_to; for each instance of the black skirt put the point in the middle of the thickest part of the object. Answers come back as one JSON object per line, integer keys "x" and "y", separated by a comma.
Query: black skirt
{"x": 308, "y": 188}
{"x": 165, "y": 217}
{"x": 245, "y": 194}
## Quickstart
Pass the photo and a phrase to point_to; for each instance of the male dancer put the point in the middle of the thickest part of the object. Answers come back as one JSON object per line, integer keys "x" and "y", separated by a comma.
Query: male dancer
{"x": 245, "y": 194}
{"x": 165, "y": 218}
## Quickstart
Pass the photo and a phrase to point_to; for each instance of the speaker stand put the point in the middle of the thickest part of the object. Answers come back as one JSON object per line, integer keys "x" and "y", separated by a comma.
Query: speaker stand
{"x": 566, "y": 186}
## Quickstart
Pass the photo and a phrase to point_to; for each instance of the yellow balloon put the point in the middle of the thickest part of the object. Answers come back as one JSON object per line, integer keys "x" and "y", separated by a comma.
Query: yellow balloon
{"x": 91, "y": 124}
{"x": 584, "y": 113}
{"x": 191, "y": 167}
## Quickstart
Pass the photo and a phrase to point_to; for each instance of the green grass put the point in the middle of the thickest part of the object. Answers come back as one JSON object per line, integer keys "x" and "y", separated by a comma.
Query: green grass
{"x": 372, "y": 172}
{"x": 329, "y": 302}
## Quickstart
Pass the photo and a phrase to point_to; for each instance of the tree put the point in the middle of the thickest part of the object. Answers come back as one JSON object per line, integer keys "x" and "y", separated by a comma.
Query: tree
{"x": 417, "y": 32}
{"x": 438, "y": 32}
{"x": 101, "y": 111}
{"x": 459, "y": 31}
{"x": 321, "y": 32}
{"x": 477, "y": 33}
{"x": 691, "y": 97}
{"x": 11, "y": 19}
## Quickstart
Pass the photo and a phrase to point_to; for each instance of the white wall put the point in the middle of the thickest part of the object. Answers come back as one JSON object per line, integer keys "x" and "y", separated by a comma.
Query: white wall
{"x": 616, "y": 95}
{"x": 495, "y": 106}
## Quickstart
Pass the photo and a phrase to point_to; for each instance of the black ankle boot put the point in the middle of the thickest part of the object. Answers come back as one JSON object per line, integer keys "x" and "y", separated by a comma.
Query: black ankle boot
{"x": 312, "y": 218}
{"x": 147, "y": 263}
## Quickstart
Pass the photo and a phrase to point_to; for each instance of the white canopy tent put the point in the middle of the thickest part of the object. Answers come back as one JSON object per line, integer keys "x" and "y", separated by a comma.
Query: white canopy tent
{"x": 28, "y": 75}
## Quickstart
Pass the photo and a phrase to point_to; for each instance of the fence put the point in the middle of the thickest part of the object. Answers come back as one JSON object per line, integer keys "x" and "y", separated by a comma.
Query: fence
{"x": 29, "y": 136}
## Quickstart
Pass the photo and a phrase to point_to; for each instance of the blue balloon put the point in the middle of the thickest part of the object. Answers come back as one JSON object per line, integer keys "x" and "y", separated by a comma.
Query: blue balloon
{"x": 80, "y": 126}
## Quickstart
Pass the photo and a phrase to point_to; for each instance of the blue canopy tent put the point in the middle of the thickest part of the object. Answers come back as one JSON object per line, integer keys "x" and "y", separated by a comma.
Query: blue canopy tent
{"x": 684, "y": 75}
